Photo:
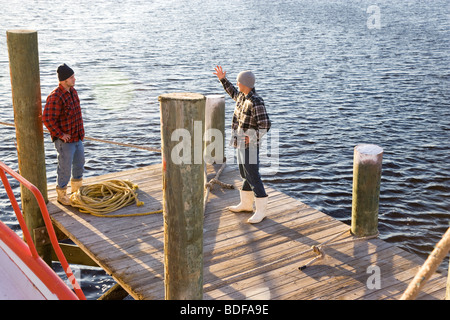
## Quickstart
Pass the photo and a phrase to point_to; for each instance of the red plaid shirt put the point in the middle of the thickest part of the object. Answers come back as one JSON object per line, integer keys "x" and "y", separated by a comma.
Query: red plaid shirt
{"x": 62, "y": 114}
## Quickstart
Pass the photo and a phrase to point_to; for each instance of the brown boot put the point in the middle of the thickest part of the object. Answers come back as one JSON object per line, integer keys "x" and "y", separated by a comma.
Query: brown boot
{"x": 75, "y": 184}
{"x": 62, "y": 196}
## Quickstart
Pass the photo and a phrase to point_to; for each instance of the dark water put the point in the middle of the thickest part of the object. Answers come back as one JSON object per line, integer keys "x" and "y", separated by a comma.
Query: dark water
{"x": 330, "y": 76}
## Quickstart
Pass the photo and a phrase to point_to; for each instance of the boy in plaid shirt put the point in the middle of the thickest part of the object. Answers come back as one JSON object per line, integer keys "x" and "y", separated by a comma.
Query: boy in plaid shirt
{"x": 62, "y": 117}
{"x": 249, "y": 123}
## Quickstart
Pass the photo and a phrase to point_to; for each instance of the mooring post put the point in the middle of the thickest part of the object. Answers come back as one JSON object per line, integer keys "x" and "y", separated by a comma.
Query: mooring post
{"x": 215, "y": 129}
{"x": 366, "y": 189}
{"x": 182, "y": 129}
{"x": 26, "y": 97}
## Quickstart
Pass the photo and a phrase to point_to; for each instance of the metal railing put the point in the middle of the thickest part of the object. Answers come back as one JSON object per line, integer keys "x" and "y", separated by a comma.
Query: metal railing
{"x": 46, "y": 217}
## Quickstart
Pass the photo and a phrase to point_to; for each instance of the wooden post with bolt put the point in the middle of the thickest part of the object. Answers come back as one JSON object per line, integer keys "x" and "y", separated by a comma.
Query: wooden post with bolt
{"x": 182, "y": 129}
{"x": 26, "y": 97}
{"x": 366, "y": 189}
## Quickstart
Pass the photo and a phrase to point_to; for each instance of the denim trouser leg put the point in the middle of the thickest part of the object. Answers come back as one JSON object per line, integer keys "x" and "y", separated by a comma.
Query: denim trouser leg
{"x": 249, "y": 169}
{"x": 70, "y": 161}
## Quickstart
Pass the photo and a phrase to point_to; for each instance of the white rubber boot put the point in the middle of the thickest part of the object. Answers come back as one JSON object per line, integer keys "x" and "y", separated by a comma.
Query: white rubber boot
{"x": 246, "y": 203}
{"x": 62, "y": 196}
{"x": 261, "y": 210}
{"x": 76, "y": 184}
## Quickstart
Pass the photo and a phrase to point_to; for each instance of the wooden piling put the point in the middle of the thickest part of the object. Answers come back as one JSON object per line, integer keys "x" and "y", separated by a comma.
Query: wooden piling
{"x": 214, "y": 129}
{"x": 26, "y": 97}
{"x": 366, "y": 189}
{"x": 182, "y": 117}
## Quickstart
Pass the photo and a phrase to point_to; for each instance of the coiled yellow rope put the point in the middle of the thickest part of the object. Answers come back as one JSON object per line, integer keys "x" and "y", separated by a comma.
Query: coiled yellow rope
{"x": 99, "y": 199}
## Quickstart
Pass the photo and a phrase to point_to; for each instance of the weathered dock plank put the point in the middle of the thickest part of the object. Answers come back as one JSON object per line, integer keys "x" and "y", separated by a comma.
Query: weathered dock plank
{"x": 241, "y": 260}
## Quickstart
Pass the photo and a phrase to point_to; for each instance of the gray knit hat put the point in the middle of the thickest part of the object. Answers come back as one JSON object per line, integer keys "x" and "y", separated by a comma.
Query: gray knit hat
{"x": 247, "y": 78}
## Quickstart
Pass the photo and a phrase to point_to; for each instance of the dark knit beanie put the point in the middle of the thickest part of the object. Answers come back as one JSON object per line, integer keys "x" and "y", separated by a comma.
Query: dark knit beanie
{"x": 64, "y": 72}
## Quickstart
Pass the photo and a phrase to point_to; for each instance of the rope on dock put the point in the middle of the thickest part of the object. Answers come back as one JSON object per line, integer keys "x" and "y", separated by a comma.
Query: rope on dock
{"x": 100, "y": 140}
{"x": 123, "y": 144}
{"x": 209, "y": 185}
{"x": 99, "y": 199}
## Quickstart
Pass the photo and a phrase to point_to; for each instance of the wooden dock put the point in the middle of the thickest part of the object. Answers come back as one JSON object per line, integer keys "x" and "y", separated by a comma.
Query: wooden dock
{"x": 241, "y": 260}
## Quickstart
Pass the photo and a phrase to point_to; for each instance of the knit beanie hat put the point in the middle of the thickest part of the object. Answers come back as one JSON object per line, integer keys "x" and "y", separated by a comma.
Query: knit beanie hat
{"x": 247, "y": 78}
{"x": 64, "y": 72}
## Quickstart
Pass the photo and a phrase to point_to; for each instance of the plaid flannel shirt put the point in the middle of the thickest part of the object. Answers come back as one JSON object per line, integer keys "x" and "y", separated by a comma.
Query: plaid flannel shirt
{"x": 62, "y": 114}
{"x": 250, "y": 117}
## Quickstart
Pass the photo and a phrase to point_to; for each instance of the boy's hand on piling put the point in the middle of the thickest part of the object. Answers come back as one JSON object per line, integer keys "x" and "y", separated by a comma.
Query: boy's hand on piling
{"x": 219, "y": 72}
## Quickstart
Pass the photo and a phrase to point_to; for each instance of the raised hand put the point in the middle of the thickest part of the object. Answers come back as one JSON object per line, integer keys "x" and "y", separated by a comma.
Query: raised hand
{"x": 219, "y": 72}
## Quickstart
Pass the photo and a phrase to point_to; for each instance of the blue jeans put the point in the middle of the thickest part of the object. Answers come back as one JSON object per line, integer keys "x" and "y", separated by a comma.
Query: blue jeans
{"x": 248, "y": 161}
{"x": 70, "y": 161}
